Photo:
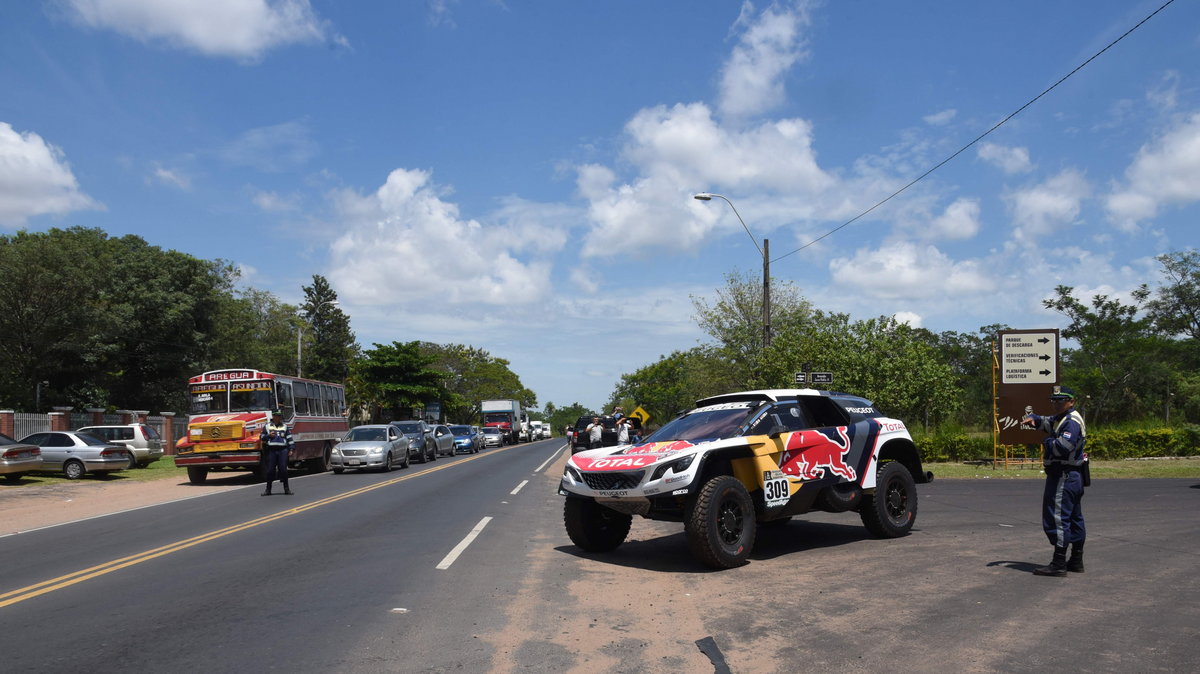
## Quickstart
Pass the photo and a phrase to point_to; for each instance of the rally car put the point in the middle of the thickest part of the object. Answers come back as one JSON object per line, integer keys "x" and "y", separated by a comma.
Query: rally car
{"x": 741, "y": 459}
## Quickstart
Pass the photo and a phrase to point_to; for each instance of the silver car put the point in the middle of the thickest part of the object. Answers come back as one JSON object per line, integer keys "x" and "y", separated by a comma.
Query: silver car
{"x": 77, "y": 453}
{"x": 492, "y": 437}
{"x": 18, "y": 458}
{"x": 421, "y": 436}
{"x": 377, "y": 446}
{"x": 145, "y": 442}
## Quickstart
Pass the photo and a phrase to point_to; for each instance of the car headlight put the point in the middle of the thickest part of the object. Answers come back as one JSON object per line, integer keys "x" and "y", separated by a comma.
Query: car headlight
{"x": 376, "y": 451}
{"x": 678, "y": 466}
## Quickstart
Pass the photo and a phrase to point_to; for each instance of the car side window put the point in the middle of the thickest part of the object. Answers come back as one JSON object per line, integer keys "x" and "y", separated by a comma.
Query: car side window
{"x": 35, "y": 439}
{"x": 59, "y": 440}
{"x": 824, "y": 412}
{"x": 787, "y": 416}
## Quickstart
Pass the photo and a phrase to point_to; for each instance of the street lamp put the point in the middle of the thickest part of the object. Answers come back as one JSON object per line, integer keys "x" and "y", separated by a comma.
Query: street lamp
{"x": 765, "y": 252}
{"x": 300, "y": 331}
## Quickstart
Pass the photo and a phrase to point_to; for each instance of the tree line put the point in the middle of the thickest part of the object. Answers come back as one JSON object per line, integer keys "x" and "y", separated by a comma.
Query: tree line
{"x": 88, "y": 320}
{"x": 1131, "y": 361}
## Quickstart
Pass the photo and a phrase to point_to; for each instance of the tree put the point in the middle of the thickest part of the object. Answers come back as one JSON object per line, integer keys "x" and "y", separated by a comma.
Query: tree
{"x": 473, "y": 375}
{"x": 970, "y": 359}
{"x": 1118, "y": 364}
{"x": 331, "y": 344}
{"x": 253, "y": 330}
{"x": 675, "y": 382}
{"x": 399, "y": 377}
{"x": 1176, "y": 308}
{"x": 567, "y": 416}
{"x": 734, "y": 320}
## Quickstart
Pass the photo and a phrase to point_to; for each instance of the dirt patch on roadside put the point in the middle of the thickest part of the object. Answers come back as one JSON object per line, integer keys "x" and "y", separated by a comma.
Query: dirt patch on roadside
{"x": 23, "y": 508}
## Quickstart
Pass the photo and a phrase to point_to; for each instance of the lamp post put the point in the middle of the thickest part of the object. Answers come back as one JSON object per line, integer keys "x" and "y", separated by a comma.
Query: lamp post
{"x": 300, "y": 331}
{"x": 764, "y": 251}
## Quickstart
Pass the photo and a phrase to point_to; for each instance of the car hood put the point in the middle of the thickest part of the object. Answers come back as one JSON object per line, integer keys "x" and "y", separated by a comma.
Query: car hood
{"x": 363, "y": 444}
{"x": 627, "y": 457}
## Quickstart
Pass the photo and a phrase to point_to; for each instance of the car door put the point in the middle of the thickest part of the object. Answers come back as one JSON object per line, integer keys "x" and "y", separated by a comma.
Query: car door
{"x": 57, "y": 448}
{"x": 393, "y": 444}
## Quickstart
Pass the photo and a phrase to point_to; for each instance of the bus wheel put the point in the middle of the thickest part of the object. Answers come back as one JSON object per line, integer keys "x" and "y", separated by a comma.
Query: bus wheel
{"x": 197, "y": 474}
{"x": 323, "y": 463}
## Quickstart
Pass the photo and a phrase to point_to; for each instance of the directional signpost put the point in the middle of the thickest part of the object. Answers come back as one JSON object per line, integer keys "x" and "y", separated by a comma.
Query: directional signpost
{"x": 822, "y": 377}
{"x": 801, "y": 377}
{"x": 1027, "y": 370}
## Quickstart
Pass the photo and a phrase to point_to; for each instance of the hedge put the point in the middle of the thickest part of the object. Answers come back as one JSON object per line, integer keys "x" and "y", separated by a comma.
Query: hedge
{"x": 1102, "y": 444}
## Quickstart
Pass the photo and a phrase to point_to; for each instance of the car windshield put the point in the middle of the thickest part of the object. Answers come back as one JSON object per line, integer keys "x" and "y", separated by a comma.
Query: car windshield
{"x": 245, "y": 399}
{"x": 706, "y": 423}
{"x": 460, "y": 430}
{"x": 5, "y": 440}
{"x": 208, "y": 398}
{"x": 366, "y": 434}
{"x": 409, "y": 428}
{"x": 491, "y": 430}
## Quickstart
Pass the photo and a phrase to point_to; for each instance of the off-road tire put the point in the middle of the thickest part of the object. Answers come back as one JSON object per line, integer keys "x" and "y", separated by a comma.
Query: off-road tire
{"x": 720, "y": 526}
{"x": 594, "y": 527}
{"x": 197, "y": 474}
{"x": 891, "y": 511}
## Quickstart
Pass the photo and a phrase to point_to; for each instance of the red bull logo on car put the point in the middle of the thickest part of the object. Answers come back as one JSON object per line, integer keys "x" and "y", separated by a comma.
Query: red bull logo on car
{"x": 814, "y": 454}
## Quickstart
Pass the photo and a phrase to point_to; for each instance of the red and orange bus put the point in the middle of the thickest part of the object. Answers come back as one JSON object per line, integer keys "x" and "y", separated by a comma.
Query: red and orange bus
{"x": 228, "y": 409}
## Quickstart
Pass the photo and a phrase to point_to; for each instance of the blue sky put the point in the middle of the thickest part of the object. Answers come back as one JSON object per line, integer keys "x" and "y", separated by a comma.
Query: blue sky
{"x": 519, "y": 175}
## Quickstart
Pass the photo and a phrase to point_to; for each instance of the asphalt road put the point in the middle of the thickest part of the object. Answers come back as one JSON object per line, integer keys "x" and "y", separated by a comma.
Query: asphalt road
{"x": 344, "y": 577}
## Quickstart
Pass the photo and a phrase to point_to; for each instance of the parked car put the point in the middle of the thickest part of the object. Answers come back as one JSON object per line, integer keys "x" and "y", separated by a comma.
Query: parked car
{"x": 420, "y": 438}
{"x": 144, "y": 440}
{"x": 492, "y": 437}
{"x": 18, "y": 458}
{"x": 77, "y": 453}
{"x": 443, "y": 439}
{"x": 467, "y": 439}
{"x": 746, "y": 458}
{"x": 377, "y": 446}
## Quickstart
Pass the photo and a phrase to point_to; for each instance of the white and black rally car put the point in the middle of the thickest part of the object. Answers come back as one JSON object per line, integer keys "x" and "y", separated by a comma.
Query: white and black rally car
{"x": 746, "y": 458}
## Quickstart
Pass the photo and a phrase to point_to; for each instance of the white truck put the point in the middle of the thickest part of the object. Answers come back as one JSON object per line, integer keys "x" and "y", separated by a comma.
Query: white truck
{"x": 505, "y": 415}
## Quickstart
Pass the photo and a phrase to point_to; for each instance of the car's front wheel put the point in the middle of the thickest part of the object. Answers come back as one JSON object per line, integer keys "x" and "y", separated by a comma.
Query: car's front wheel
{"x": 387, "y": 463}
{"x": 594, "y": 527}
{"x": 720, "y": 527}
{"x": 891, "y": 511}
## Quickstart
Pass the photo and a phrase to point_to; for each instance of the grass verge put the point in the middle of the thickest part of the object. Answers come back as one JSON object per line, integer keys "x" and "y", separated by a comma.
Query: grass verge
{"x": 1140, "y": 468}
{"x": 162, "y": 469}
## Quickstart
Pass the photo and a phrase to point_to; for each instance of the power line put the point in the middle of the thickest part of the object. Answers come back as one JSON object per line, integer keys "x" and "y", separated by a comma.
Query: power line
{"x": 981, "y": 136}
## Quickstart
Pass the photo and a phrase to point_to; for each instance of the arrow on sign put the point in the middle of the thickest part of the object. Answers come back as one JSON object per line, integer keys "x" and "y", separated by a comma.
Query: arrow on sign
{"x": 1044, "y": 357}
{"x": 1045, "y": 373}
{"x": 1044, "y": 340}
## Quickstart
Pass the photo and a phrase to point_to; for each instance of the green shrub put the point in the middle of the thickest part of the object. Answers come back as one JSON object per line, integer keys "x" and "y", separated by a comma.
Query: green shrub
{"x": 950, "y": 442}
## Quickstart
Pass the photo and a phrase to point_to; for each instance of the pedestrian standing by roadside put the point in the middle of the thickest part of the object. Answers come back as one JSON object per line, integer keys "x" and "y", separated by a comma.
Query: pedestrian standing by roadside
{"x": 595, "y": 431}
{"x": 277, "y": 443}
{"x": 623, "y": 431}
{"x": 1063, "y": 460}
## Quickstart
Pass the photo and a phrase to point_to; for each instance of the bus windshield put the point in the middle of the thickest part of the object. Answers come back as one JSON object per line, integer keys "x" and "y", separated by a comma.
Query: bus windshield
{"x": 251, "y": 397}
{"x": 207, "y": 398}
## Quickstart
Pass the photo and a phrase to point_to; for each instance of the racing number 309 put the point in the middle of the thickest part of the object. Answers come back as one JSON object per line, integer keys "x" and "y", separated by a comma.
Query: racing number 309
{"x": 776, "y": 491}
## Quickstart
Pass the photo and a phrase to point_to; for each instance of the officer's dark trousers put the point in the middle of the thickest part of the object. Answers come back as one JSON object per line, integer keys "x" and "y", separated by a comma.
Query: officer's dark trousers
{"x": 1062, "y": 508}
{"x": 276, "y": 468}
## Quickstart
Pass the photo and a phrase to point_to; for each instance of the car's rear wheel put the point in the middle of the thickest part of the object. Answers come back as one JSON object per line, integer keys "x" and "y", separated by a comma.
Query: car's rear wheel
{"x": 323, "y": 462}
{"x": 594, "y": 527}
{"x": 73, "y": 470}
{"x": 891, "y": 511}
{"x": 197, "y": 474}
{"x": 132, "y": 463}
{"x": 13, "y": 477}
{"x": 720, "y": 527}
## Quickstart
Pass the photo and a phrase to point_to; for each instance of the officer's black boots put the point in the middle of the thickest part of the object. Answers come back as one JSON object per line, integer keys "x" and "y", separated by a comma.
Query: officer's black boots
{"x": 287, "y": 491}
{"x": 1056, "y": 567}
{"x": 1075, "y": 563}
{"x": 267, "y": 491}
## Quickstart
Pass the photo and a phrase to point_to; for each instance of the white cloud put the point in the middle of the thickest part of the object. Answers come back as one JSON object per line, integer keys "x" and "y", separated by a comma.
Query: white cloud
{"x": 908, "y": 318}
{"x": 405, "y": 244}
{"x": 907, "y": 271}
{"x": 168, "y": 176}
{"x": 960, "y": 220}
{"x": 35, "y": 179}
{"x": 272, "y": 202}
{"x": 679, "y": 151}
{"x": 1009, "y": 159}
{"x": 770, "y": 43}
{"x": 243, "y": 29}
{"x": 272, "y": 148}
{"x": 1037, "y": 210}
{"x": 1165, "y": 94}
{"x": 940, "y": 118}
{"x": 1165, "y": 172}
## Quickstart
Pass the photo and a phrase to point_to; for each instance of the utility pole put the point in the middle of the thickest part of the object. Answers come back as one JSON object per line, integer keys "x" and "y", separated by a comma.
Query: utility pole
{"x": 766, "y": 302}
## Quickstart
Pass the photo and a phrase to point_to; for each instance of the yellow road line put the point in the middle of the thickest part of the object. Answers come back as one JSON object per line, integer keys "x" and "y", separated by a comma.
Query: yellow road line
{"x": 46, "y": 586}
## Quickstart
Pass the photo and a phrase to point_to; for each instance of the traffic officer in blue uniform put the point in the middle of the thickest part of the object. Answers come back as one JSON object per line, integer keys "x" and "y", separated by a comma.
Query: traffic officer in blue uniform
{"x": 1063, "y": 459}
{"x": 277, "y": 443}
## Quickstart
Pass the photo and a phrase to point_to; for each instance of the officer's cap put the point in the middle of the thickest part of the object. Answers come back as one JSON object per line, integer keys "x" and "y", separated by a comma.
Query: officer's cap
{"x": 1062, "y": 393}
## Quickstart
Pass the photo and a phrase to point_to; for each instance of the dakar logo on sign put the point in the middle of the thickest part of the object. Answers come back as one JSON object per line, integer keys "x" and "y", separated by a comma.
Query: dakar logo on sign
{"x": 813, "y": 454}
